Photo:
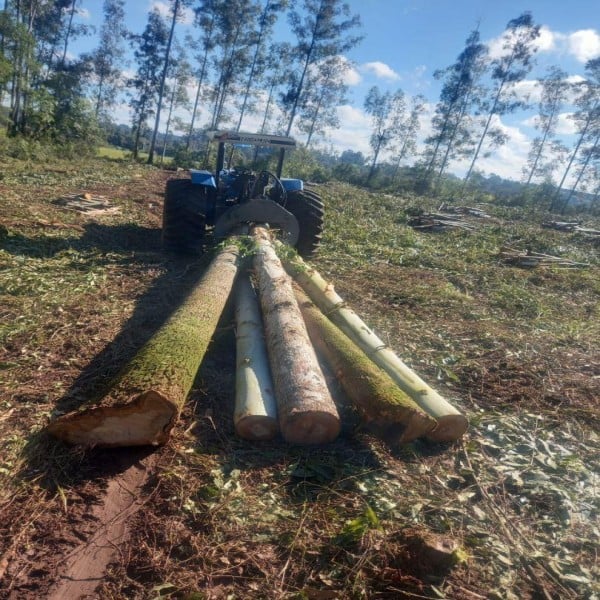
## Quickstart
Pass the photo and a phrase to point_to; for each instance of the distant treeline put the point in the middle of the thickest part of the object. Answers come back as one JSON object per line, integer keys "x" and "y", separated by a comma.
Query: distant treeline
{"x": 230, "y": 71}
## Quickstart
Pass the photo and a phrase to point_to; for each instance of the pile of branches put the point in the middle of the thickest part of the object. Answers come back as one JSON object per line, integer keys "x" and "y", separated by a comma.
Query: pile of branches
{"x": 572, "y": 226}
{"x": 463, "y": 210}
{"x": 436, "y": 222}
{"x": 529, "y": 259}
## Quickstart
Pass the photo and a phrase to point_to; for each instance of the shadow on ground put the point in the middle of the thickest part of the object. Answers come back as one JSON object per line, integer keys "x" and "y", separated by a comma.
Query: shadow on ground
{"x": 51, "y": 462}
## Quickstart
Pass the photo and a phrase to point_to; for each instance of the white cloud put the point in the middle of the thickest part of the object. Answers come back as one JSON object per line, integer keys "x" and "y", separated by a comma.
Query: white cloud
{"x": 380, "y": 70}
{"x": 565, "y": 124}
{"x": 352, "y": 77}
{"x": 164, "y": 10}
{"x": 528, "y": 90}
{"x": 584, "y": 44}
{"x": 507, "y": 160}
{"x": 546, "y": 42}
{"x": 83, "y": 13}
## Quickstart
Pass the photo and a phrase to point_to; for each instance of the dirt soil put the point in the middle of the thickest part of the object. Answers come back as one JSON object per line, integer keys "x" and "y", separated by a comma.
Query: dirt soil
{"x": 508, "y": 512}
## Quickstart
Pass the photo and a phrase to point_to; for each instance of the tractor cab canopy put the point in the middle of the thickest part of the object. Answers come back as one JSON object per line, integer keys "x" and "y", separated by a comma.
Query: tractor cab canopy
{"x": 250, "y": 139}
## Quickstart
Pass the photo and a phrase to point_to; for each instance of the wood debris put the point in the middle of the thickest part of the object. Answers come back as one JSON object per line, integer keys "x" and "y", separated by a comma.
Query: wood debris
{"x": 438, "y": 222}
{"x": 464, "y": 210}
{"x": 572, "y": 226}
{"x": 529, "y": 259}
{"x": 87, "y": 203}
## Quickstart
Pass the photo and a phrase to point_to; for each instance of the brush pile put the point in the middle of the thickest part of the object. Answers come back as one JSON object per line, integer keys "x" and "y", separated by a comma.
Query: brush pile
{"x": 529, "y": 259}
{"x": 437, "y": 222}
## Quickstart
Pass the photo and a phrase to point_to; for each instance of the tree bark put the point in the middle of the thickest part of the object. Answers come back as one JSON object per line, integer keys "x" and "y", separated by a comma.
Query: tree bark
{"x": 307, "y": 413}
{"x": 255, "y": 415}
{"x": 371, "y": 390}
{"x": 148, "y": 395}
{"x": 451, "y": 423}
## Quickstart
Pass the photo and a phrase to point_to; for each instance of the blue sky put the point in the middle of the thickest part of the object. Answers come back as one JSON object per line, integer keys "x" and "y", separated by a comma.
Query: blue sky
{"x": 405, "y": 41}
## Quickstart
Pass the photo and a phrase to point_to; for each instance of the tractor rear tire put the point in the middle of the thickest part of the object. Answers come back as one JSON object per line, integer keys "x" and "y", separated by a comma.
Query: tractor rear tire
{"x": 184, "y": 217}
{"x": 307, "y": 207}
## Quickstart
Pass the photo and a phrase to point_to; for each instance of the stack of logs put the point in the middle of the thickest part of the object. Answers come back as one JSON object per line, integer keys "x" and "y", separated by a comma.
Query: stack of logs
{"x": 280, "y": 386}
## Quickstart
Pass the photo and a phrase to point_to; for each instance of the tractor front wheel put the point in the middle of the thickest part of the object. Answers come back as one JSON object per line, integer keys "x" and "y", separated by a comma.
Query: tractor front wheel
{"x": 184, "y": 217}
{"x": 307, "y": 207}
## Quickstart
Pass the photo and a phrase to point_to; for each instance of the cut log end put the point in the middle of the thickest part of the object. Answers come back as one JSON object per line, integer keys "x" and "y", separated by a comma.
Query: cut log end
{"x": 418, "y": 425}
{"x": 449, "y": 428}
{"x": 145, "y": 421}
{"x": 257, "y": 427}
{"x": 311, "y": 427}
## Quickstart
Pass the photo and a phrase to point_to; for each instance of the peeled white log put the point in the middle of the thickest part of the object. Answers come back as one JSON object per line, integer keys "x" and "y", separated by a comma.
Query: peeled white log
{"x": 451, "y": 424}
{"x": 307, "y": 413}
{"x": 255, "y": 415}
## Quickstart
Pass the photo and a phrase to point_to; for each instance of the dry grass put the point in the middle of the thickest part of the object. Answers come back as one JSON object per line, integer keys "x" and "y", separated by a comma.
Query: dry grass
{"x": 223, "y": 518}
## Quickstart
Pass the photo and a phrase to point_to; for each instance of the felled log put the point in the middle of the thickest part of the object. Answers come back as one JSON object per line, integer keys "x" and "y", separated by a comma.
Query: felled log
{"x": 527, "y": 258}
{"x": 371, "y": 390}
{"x": 451, "y": 424}
{"x": 146, "y": 398}
{"x": 560, "y": 225}
{"x": 307, "y": 413}
{"x": 255, "y": 415}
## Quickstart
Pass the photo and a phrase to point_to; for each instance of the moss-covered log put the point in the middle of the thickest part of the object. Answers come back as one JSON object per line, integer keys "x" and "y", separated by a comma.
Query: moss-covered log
{"x": 147, "y": 396}
{"x": 451, "y": 424}
{"x": 307, "y": 413}
{"x": 255, "y": 415}
{"x": 372, "y": 390}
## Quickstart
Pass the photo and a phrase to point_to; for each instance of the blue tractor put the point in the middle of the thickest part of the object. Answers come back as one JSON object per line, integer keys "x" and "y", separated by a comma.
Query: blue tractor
{"x": 210, "y": 206}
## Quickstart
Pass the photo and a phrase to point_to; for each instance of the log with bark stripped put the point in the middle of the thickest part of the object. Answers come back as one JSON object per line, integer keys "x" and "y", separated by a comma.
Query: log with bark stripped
{"x": 307, "y": 413}
{"x": 451, "y": 424}
{"x": 255, "y": 415}
{"x": 372, "y": 390}
{"x": 146, "y": 399}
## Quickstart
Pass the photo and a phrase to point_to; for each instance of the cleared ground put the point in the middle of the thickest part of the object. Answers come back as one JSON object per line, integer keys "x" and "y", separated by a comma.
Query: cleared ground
{"x": 212, "y": 516}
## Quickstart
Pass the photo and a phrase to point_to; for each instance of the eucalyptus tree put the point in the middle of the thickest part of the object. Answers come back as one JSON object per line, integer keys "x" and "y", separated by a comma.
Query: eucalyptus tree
{"x": 511, "y": 67}
{"x": 178, "y": 78}
{"x": 587, "y": 120}
{"x": 204, "y": 20}
{"x": 460, "y": 96}
{"x": 277, "y": 64}
{"x": 406, "y": 143}
{"x": 149, "y": 51}
{"x": 108, "y": 58}
{"x": 325, "y": 91}
{"x": 235, "y": 36}
{"x": 555, "y": 88}
{"x": 176, "y": 11}
{"x": 261, "y": 37}
{"x": 388, "y": 112}
{"x": 323, "y": 30}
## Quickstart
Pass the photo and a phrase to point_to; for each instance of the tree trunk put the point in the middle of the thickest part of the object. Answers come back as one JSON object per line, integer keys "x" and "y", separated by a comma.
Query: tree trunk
{"x": 485, "y": 130}
{"x": 374, "y": 163}
{"x": 147, "y": 397}
{"x": 255, "y": 415}
{"x": 68, "y": 35}
{"x": 163, "y": 79}
{"x": 451, "y": 423}
{"x": 580, "y": 175}
{"x": 168, "y": 126}
{"x": 372, "y": 391}
{"x": 307, "y": 413}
